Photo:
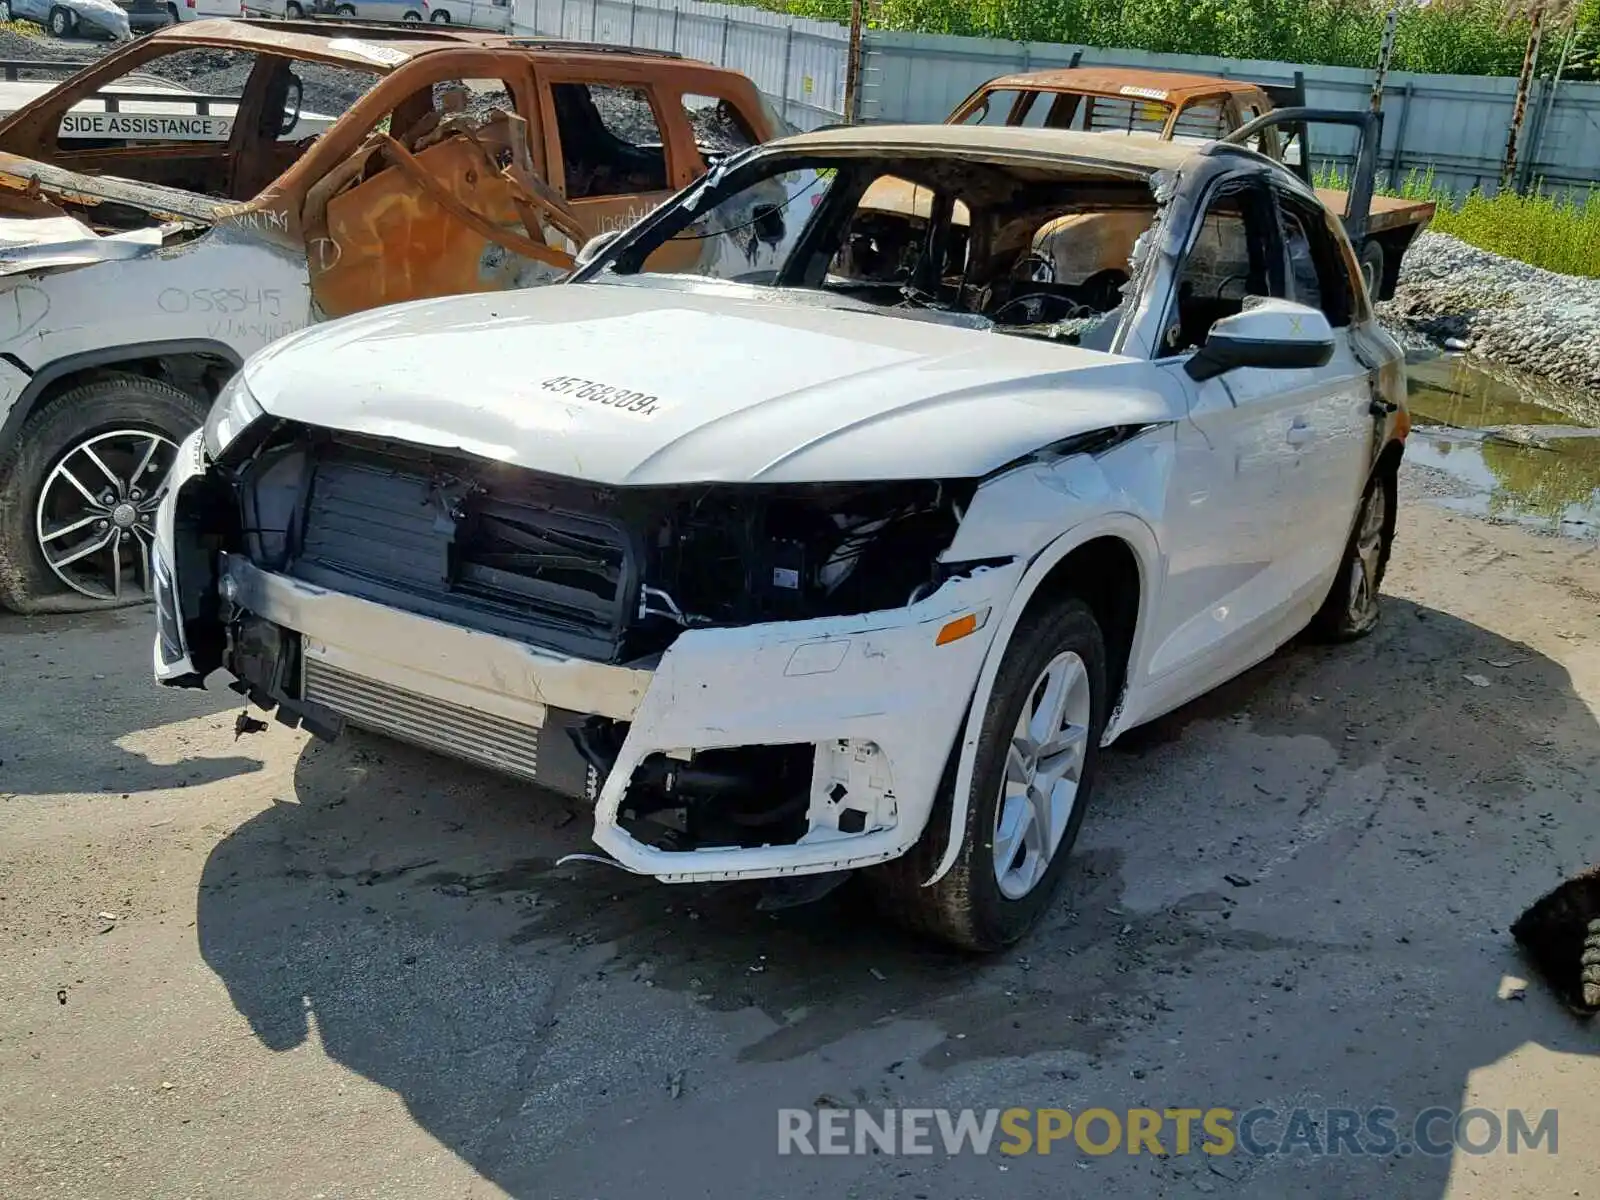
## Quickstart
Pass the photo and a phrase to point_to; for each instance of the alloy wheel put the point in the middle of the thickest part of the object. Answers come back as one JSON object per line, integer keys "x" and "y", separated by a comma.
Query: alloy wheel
{"x": 1039, "y": 787}
{"x": 95, "y": 521}
{"x": 1362, "y": 594}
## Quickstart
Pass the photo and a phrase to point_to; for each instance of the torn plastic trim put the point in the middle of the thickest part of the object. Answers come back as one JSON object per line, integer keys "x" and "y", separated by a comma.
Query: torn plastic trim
{"x": 885, "y": 681}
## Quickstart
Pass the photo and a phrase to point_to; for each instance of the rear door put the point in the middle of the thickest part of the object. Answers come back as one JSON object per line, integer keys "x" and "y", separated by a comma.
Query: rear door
{"x": 608, "y": 145}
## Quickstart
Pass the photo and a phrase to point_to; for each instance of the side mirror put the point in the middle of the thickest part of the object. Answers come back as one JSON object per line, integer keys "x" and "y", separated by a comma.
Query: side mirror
{"x": 1271, "y": 334}
{"x": 592, "y": 248}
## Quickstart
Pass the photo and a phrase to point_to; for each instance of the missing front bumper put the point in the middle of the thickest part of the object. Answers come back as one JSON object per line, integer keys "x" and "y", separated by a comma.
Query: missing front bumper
{"x": 877, "y": 695}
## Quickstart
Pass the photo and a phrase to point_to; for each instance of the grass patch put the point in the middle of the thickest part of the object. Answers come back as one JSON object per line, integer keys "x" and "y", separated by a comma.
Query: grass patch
{"x": 23, "y": 28}
{"x": 1559, "y": 233}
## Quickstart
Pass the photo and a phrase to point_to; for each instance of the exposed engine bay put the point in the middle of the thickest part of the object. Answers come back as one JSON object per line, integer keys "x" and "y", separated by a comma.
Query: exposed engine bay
{"x": 609, "y": 575}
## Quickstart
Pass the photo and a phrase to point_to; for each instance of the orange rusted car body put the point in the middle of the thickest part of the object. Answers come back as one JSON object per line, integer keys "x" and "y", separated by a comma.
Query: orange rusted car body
{"x": 398, "y": 199}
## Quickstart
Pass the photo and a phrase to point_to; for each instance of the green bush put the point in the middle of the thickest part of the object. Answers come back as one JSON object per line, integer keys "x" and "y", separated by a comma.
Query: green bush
{"x": 1457, "y": 37}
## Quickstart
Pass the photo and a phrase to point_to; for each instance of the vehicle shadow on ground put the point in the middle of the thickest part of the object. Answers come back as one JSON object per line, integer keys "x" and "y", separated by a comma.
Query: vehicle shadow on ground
{"x": 74, "y": 686}
{"x": 409, "y": 911}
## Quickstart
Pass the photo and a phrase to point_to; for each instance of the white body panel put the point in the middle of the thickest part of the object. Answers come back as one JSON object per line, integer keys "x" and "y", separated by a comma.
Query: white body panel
{"x": 224, "y": 287}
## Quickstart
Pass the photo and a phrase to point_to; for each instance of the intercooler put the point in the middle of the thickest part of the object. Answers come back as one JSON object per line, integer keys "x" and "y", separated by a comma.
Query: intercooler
{"x": 543, "y": 754}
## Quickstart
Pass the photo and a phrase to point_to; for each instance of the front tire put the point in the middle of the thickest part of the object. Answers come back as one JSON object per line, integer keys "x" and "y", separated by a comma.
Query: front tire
{"x": 1038, "y": 749}
{"x": 293, "y": 12}
{"x": 1352, "y": 607}
{"x": 440, "y": 18}
{"x": 79, "y": 490}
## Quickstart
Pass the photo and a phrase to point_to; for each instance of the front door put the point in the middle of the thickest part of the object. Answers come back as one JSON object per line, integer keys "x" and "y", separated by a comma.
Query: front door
{"x": 1226, "y": 579}
{"x": 443, "y": 198}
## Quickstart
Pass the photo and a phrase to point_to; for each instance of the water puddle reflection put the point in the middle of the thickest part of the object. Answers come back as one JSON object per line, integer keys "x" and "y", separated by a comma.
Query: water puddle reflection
{"x": 1522, "y": 449}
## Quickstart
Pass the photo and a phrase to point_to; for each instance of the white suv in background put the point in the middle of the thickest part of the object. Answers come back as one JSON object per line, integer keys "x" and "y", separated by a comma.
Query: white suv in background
{"x": 477, "y": 14}
{"x": 199, "y": 10}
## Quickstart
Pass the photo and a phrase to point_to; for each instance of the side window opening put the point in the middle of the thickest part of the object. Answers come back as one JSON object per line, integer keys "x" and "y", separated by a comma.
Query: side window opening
{"x": 720, "y": 129}
{"x": 1316, "y": 267}
{"x": 611, "y": 142}
{"x": 1227, "y": 261}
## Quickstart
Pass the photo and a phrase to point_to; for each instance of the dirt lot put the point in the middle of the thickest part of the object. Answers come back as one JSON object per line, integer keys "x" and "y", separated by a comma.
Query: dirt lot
{"x": 272, "y": 968}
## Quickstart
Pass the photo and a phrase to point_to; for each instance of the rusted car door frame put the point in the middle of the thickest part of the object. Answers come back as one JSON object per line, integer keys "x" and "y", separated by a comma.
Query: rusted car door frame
{"x": 42, "y": 126}
{"x": 308, "y": 194}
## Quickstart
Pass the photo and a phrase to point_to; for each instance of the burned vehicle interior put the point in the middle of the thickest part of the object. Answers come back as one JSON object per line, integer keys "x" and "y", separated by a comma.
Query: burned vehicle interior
{"x": 1038, "y": 250}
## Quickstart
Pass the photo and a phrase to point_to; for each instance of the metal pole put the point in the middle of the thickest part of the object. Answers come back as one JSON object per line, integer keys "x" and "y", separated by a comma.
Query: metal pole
{"x": 633, "y": 19}
{"x": 677, "y": 10}
{"x": 852, "y": 66}
{"x": 727, "y": 24}
{"x": 788, "y": 58}
{"x": 561, "y": 28}
{"x": 1385, "y": 53}
{"x": 1549, "y": 98}
{"x": 1519, "y": 107}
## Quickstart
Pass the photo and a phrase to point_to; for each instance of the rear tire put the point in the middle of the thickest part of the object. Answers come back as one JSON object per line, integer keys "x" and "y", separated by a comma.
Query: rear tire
{"x": 989, "y": 899}
{"x": 58, "y": 431}
{"x": 293, "y": 12}
{"x": 172, "y": 12}
{"x": 61, "y": 23}
{"x": 345, "y": 10}
{"x": 439, "y": 18}
{"x": 1372, "y": 267}
{"x": 1352, "y": 606}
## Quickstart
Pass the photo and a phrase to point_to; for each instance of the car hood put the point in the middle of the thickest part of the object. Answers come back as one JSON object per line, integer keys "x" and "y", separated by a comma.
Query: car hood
{"x": 627, "y": 385}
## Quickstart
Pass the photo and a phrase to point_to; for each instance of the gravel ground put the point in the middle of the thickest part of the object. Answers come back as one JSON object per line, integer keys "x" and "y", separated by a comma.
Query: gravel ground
{"x": 267, "y": 967}
{"x": 1503, "y": 310}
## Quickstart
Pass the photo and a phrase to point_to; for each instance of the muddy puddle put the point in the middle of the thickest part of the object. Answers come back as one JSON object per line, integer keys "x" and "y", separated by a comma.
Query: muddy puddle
{"x": 1513, "y": 448}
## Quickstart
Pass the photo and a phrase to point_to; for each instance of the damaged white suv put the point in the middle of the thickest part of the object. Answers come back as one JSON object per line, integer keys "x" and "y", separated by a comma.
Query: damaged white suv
{"x": 846, "y": 542}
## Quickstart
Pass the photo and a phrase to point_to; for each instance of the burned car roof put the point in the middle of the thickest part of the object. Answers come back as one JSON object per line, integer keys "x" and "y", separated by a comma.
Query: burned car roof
{"x": 1174, "y": 87}
{"x": 1128, "y": 154}
{"x": 375, "y": 46}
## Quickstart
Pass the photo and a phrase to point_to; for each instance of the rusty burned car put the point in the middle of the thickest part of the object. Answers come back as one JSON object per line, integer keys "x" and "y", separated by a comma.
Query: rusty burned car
{"x": 153, "y": 236}
{"x": 794, "y": 563}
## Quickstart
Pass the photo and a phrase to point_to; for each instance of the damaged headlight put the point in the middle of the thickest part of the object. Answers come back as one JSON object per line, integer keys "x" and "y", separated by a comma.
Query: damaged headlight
{"x": 234, "y": 412}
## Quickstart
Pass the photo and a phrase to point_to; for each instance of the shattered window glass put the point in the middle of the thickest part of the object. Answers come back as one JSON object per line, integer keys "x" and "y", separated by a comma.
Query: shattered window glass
{"x": 747, "y": 236}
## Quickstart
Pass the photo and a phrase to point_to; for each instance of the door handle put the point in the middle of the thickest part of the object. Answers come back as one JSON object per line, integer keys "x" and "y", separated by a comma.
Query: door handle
{"x": 1300, "y": 434}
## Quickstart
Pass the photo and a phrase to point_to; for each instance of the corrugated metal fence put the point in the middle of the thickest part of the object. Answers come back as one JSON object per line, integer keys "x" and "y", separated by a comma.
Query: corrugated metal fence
{"x": 799, "y": 64}
{"x": 1453, "y": 125}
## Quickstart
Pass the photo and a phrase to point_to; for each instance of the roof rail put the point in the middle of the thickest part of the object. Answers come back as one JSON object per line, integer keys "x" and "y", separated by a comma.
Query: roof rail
{"x": 537, "y": 43}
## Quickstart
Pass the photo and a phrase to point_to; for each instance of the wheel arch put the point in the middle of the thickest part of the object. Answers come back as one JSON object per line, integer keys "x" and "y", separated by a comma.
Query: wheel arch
{"x": 194, "y": 365}
{"x": 1124, "y": 549}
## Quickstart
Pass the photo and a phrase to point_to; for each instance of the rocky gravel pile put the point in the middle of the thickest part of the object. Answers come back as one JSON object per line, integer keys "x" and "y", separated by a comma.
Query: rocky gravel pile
{"x": 1469, "y": 299}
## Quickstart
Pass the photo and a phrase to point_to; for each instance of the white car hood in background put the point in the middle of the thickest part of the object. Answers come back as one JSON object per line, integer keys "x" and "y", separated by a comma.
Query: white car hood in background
{"x": 645, "y": 385}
